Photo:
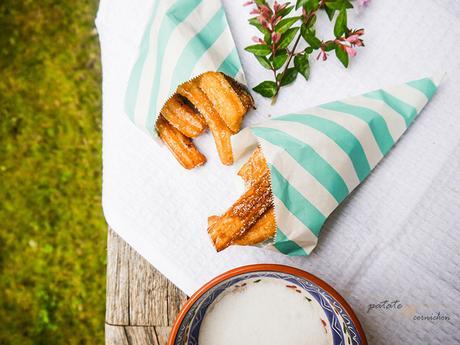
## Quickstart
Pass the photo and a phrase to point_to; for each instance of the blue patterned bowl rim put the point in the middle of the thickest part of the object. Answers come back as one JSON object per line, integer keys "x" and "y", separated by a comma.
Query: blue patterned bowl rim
{"x": 345, "y": 326}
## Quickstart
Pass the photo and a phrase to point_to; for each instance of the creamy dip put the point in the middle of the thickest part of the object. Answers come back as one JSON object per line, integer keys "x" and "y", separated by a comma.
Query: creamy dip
{"x": 266, "y": 311}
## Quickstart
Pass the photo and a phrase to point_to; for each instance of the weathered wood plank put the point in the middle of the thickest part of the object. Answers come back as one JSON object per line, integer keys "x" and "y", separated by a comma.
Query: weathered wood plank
{"x": 141, "y": 303}
{"x": 115, "y": 335}
{"x": 162, "y": 334}
{"x": 148, "y": 293}
{"x": 118, "y": 252}
{"x": 142, "y": 335}
{"x": 176, "y": 299}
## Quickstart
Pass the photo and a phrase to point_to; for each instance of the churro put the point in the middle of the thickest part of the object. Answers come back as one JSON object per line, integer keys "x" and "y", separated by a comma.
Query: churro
{"x": 183, "y": 117}
{"x": 181, "y": 147}
{"x": 217, "y": 126}
{"x": 229, "y": 99}
{"x": 243, "y": 214}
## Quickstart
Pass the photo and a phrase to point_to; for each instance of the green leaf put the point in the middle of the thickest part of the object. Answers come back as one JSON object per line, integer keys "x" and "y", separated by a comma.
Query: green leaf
{"x": 268, "y": 38}
{"x": 314, "y": 4}
{"x": 287, "y": 38}
{"x": 285, "y": 24}
{"x": 255, "y": 22}
{"x": 329, "y": 47}
{"x": 285, "y": 11}
{"x": 279, "y": 60}
{"x": 266, "y": 88}
{"x": 341, "y": 55}
{"x": 302, "y": 65}
{"x": 300, "y": 3}
{"x": 340, "y": 23}
{"x": 309, "y": 5}
{"x": 339, "y": 4}
{"x": 333, "y": 5}
{"x": 308, "y": 50}
{"x": 311, "y": 21}
{"x": 264, "y": 62}
{"x": 289, "y": 76}
{"x": 259, "y": 49}
{"x": 330, "y": 13}
{"x": 347, "y": 4}
{"x": 309, "y": 35}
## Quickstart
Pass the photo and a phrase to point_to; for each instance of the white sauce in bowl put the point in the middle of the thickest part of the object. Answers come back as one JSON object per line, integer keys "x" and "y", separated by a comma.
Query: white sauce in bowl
{"x": 266, "y": 313}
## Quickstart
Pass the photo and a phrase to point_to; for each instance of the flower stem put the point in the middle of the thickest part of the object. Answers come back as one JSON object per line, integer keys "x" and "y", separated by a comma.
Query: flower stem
{"x": 291, "y": 55}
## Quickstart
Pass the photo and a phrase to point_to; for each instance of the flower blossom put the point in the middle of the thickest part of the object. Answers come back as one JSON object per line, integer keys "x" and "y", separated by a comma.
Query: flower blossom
{"x": 276, "y": 37}
{"x": 279, "y": 7}
{"x": 258, "y": 40}
{"x": 362, "y": 3}
{"x": 350, "y": 51}
{"x": 322, "y": 54}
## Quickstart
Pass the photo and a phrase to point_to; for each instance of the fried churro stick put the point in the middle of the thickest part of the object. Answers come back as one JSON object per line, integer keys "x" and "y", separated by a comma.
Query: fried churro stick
{"x": 181, "y": 147}
{"x": 225, "y": 99}
{"x": 243, "y": 94}
{"x": 242, "y": 215}
{"x": 262, "y": 230}
{"x": 219, "y": 130}
{"x": 254, "y": 168}
{"x": 265, "y": 227}
{"x": 183, "y": 117}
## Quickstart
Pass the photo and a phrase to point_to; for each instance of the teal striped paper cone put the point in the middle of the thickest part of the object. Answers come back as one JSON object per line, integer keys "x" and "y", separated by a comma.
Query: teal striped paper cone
{"x": 318, "y": 156}
{"x": 183, "y": 39}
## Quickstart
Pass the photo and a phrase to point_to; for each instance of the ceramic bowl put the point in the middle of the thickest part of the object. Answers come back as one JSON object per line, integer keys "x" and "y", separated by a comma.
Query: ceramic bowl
{"x": 339, "y": 320}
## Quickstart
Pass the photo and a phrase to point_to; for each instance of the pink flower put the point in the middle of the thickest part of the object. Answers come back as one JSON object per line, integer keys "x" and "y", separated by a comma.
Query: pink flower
{"x": 353, "y": 39}
{"x": 322, "y": 54}
{"x": 277, "y": 7}
{"x": 275, "y": 37}
{"x": 265, "y": 11}
{"x": 350, "y": 51}
{"x": 362, "y": 2}
{"x": 255, "y": 11}
{"x": 258, "y": 40}
{"x": 247, "y": 3}
{"x": 263, "y": 21}
{"x": 276, "y": 21}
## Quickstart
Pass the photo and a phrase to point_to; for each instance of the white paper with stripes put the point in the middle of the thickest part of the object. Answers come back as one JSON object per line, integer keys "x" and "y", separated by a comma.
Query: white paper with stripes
{"x": 183, "y": 39}
{"x": 318, "y": 156}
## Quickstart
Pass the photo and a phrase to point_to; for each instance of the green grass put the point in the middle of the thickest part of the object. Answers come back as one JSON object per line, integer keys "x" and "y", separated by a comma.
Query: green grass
{"x": 52, "y": 231}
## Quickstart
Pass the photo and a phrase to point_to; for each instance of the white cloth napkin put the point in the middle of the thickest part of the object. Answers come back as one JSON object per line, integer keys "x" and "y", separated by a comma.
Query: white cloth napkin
{"x": 396, "y": 237}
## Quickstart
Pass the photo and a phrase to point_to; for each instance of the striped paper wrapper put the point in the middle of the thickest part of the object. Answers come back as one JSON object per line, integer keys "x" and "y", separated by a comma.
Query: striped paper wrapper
{"x": 183, "y": 39}
{"x": 319, "y": 155}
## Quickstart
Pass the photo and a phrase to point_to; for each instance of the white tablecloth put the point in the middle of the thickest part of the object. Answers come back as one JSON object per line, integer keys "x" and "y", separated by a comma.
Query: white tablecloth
{"x": 395, "y": 238}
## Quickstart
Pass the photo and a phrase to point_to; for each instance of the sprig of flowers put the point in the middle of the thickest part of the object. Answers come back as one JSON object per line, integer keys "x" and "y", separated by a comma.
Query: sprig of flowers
{"x": 278, "y": 48}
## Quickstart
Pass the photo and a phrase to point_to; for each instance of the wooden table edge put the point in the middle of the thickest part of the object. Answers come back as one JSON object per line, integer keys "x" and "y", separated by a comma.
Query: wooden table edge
{"x": 141, "y": 304}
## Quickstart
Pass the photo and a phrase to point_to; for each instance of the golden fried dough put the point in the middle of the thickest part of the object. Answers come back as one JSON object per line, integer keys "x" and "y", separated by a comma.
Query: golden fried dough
{"x": 183, "y": 117}
{"x": 262, "y": 230}
{"x": 211, "y": 100}
{"x": 242, "y": 92}
{"x": 181, "y": 147}
{"x": 254, "y": 168}
{"x": 219, "y": 130}
{"x": 265, "y": 227}
{"x": 229, "y": 104}
{"x": 242, "y": 215}
{"x": 234, "y": 229}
